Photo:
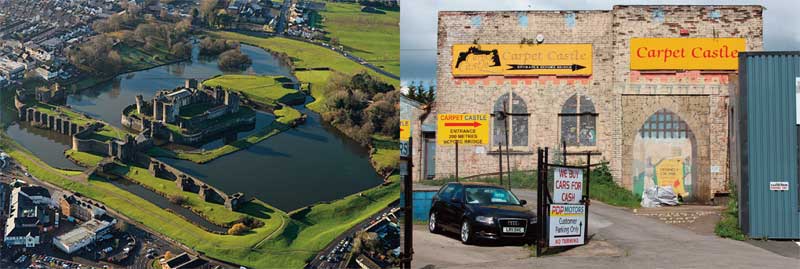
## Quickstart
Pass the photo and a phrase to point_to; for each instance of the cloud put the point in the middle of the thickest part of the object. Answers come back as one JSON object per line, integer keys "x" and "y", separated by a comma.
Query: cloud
{"x": 418, "y": 24}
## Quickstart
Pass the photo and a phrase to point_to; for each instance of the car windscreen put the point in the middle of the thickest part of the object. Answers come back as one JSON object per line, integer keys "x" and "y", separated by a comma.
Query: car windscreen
{"x": 490, "y": 196}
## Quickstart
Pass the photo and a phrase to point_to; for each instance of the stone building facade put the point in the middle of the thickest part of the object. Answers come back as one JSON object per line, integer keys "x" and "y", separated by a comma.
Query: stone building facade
{"x": 639, "y": 121}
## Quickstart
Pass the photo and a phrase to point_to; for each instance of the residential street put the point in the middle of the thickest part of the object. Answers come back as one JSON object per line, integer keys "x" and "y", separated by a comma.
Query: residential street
{"x": 620, "y": 240}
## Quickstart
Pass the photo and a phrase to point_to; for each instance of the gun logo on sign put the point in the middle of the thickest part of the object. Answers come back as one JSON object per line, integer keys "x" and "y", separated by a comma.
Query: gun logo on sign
{"x": 477, "y": 51}
{"x": 471, "y": 60}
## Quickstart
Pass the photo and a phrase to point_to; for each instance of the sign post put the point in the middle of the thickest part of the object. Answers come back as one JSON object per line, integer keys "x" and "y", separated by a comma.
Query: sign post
{"x": 563, "y": 217}
{"x": 462, "y": 129}
{"x": 406, "y": 166}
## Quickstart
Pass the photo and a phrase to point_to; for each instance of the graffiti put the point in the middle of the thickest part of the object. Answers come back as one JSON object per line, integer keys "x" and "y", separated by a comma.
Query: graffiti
{"x": 462, "y": 56}
{"x": 663, "y": 154}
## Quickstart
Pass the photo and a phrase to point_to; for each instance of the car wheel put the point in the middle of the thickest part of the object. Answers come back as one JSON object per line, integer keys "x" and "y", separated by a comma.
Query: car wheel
{"x": 466, "y": 233}
{"x": 433, "y": 227}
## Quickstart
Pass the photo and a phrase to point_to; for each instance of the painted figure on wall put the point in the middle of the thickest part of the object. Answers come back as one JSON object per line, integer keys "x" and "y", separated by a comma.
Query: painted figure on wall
{"x": 663, "y": 154}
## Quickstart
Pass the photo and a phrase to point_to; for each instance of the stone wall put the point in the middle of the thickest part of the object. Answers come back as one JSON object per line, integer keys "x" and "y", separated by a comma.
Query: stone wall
{"x": 189, "y": 183}
{"x": 624, "y": 99}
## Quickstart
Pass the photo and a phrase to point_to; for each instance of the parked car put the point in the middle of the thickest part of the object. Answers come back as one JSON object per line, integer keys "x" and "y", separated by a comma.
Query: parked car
{"x": 481, "y": 211}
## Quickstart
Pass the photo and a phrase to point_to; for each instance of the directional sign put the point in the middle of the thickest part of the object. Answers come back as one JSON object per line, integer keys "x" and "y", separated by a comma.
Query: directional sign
{"x": 521, "y": 59}
{"x": 465, "y": 129}
{"x": 567, "y": 185}
{"x": 566, "y": 225}
{"x": 405, "y": 130}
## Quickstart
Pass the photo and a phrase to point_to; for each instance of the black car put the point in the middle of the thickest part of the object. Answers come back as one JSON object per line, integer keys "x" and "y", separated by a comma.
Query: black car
{"x": 481, "y": 211}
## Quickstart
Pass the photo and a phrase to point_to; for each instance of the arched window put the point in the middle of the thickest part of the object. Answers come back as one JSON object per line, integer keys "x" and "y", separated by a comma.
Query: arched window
{"x": 664, "y": 124}
{"x": 517, "y": 124}
{"x": 578, "y": 121}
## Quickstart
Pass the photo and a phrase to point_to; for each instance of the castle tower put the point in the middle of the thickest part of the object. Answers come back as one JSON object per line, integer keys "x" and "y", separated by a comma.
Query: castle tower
{"x": 139, "y": 101}
{"x": 191, "y": 83}
{"x": 232, "y": 101}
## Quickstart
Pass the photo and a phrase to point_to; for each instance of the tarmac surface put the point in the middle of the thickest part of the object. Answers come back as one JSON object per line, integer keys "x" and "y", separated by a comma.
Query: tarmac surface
{"x": 619, "y": 239}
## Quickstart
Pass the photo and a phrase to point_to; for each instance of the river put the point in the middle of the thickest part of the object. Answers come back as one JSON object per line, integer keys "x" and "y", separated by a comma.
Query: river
{"x": 298, "y": 167}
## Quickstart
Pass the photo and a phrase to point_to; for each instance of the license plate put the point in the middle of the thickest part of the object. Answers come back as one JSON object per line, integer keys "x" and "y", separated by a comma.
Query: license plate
{"x": 513, "y": 229}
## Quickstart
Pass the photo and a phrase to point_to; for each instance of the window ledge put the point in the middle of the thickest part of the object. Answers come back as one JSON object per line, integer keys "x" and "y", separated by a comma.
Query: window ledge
{"x": 512, "y": 152}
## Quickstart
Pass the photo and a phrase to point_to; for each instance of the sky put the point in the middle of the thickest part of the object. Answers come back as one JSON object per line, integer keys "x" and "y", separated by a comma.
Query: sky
{"x": 418, "y": 19}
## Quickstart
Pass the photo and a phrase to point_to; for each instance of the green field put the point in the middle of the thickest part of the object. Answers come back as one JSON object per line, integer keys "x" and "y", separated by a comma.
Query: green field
{"x": 285, "y": 241}
{"x": 318, "y": 80}
{"x": 262, "y": 89}
{"x": 284, "y": 116}
{"x": 386, "y": 153}
{"x": 304, "y": 55}
{"x": 373, "y": 37}
{"x": 83, "y": 158}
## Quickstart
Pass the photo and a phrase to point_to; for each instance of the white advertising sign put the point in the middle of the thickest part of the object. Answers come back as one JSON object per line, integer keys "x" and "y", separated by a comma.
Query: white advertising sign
{"x": 567, "y": 185}
{"x": 566, "y": 225}
{"x": 778, "y": 185}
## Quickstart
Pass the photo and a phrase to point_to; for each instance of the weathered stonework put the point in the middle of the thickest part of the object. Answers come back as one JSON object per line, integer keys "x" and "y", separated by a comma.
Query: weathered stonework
{"x": 622, "y": 98}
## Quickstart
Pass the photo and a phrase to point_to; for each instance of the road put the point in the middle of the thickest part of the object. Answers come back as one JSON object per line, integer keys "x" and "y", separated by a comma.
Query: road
{"x": 316, "y": 262}
{"x": 620, "y": 239}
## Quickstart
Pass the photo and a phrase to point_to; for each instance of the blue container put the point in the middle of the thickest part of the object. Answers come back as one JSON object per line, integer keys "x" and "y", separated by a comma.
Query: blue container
{"x": 764, "y": 144}
{"x": 421, "y": 204}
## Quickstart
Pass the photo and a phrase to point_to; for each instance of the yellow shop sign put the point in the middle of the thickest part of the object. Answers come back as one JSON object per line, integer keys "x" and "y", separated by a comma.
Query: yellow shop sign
{"x": 686, "y": 53}
{"x": 521, "y": 59}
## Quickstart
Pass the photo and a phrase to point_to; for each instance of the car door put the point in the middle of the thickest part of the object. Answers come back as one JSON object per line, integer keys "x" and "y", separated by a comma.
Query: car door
{"x": 453, "y": 206}
{"x": 444, "y": 212}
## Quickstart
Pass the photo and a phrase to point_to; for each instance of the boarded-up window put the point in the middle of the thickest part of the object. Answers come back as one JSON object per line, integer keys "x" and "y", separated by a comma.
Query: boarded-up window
{"x": 578, "y": 121}
{"x": 517, "y": 124}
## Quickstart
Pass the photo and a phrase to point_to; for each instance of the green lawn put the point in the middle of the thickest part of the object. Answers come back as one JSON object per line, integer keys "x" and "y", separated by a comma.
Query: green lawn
{"x": 107, "y": 133}
{"x": 373, "y": 37}
{"x": 285, "y": 116}
{"x": 283, "y": 242}
{"x": 83, "y": 158}
{"x": 263, "y": 89}
{"x": 386, "y": 153}
{"x": 303, "y": 54}
{"x": 318, "y": 80}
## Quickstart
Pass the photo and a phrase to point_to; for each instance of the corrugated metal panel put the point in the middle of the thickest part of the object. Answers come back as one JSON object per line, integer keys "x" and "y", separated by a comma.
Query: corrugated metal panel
{"x": 769, "y": 142}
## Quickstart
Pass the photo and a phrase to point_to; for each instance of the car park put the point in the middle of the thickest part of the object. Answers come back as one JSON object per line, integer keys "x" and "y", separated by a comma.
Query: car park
{"x": 481, "y": 211}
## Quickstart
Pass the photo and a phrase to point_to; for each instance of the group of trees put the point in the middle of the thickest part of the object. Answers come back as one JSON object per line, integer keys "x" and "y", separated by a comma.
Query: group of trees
{"x": 417, "y": 91}
{"x": 212, "y": 17}
{"x": 210, "y": 46}
{"x": 362, "y": 106}
{"x": 244, "y": 225}
{"x": 97, "y": 56}
{"x": 233, "y": 59}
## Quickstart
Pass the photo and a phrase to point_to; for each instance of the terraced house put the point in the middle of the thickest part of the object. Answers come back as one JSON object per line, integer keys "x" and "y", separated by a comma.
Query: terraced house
{"x": 645, "y": 88}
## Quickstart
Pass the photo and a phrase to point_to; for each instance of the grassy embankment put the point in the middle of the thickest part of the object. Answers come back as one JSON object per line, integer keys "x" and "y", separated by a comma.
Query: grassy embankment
{"x": 370, "y": 36}
{"x": 285, "y": 241}
{"x": 268, "y": 90}
{"x": 304, "y": 55}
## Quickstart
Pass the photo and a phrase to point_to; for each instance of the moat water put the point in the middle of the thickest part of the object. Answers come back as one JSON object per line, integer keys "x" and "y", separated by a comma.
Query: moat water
{"x": 295, "y": 168}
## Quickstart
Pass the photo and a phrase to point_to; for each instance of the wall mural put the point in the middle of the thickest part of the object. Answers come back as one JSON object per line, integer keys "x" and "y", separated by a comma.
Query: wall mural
{"x": 663, "y": 154}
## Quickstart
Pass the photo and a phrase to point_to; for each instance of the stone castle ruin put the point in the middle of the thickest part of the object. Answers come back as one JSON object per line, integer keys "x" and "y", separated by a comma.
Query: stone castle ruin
{"x": 191, "y": 108}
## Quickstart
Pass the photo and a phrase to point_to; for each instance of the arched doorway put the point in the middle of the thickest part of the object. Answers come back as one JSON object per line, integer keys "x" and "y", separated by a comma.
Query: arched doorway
{"x": 665, "y": 154}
